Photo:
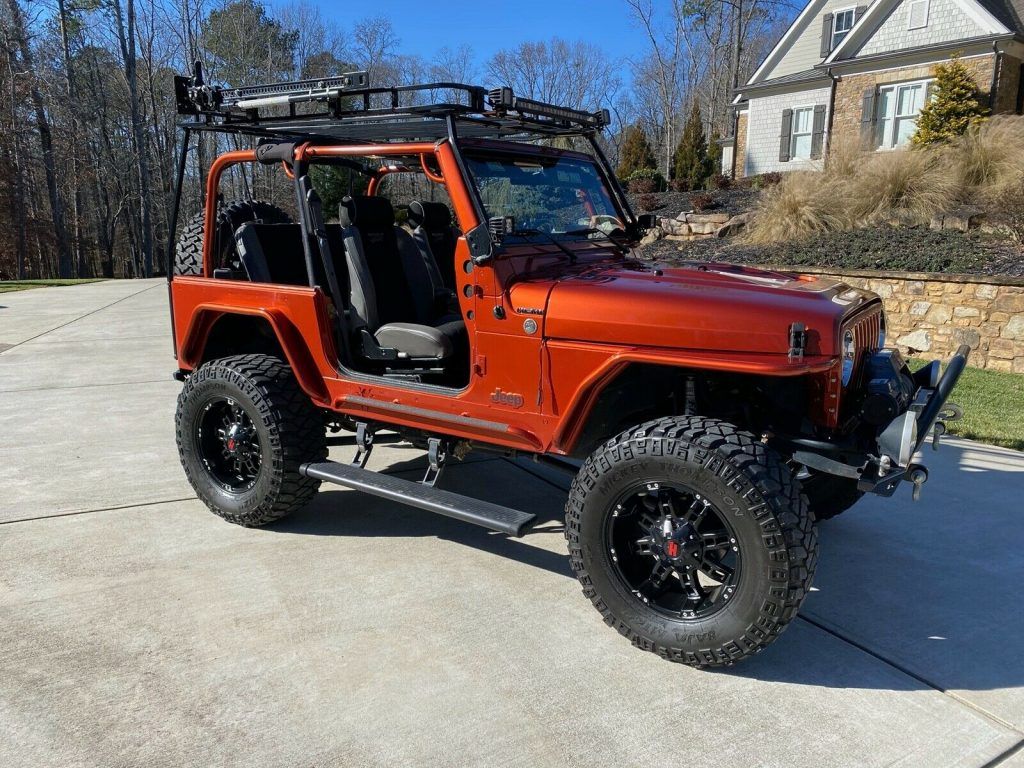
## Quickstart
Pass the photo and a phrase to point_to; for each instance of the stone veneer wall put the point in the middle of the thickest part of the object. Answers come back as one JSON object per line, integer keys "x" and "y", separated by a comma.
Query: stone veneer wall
{"x": 1009, "y": 82}
{"x": 850, "y": 90}
{"x": 930, "y": 315}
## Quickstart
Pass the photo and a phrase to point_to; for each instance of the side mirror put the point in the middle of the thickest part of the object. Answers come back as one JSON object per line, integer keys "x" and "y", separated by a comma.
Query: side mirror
{"x": 646, "y": 221}
{"x": 640, "y": 225}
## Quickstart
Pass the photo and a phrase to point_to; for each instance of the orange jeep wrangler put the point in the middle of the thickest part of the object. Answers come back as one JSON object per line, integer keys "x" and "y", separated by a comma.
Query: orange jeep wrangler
{"x": 710, "y": 413}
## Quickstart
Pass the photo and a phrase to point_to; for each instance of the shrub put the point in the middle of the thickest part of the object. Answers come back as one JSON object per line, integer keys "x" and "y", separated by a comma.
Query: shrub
{"x": 636, "y": 153}
{"x": 679, "y": 185}
{"x": 762, "y": 180}
{"x": 648, "y": 202}
{"x": 720, "y": 181}
{"x": 908, "y": 186}
{"x": 690, "y": 161}
{"x": 715, "y": 152}
{"x": 988, "y": 159}
{"x": 702, "y": 202}
{"x": 645, "y": 180}
{"x": 953, "y": 109}
{"x": 800, "y": 205}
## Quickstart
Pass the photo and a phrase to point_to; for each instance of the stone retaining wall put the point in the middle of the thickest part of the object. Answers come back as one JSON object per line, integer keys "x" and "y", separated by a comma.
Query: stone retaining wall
{"x": 930, "y": 315}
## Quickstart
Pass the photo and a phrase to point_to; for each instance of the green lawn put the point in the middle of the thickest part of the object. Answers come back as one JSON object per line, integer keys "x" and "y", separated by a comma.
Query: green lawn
{"x": 6, "y": 286}
{"x": 993, "y": 404}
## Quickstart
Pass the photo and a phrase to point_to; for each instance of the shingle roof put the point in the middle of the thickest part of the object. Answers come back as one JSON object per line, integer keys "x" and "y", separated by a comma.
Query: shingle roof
{"x": 793, "y": 77}
{"x": 1008, "y": 12}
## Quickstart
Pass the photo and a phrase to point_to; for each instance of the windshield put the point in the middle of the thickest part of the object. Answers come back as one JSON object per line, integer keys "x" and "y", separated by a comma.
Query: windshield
{"x": 550, "y": 195}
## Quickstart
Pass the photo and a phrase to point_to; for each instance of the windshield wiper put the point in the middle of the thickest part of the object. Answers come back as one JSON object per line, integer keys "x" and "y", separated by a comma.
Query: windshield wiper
{"x": 550, "y": 239}
{"x": 594, "y": 230}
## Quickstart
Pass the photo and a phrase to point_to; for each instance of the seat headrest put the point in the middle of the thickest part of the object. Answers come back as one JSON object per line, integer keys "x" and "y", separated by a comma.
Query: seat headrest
{"x": 366, "y": 212}
{"x": 429, "y": 215}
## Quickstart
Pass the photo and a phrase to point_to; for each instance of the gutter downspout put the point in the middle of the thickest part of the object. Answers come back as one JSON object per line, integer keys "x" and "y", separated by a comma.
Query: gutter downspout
{"x": 735, "y": 138}
{"x": 831, "y": 114}
{"x": 997, "y": 67}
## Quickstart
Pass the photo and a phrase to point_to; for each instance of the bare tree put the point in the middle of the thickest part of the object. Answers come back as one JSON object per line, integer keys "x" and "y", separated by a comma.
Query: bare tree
{"x": 42, "y": 120}
{"x": 577, "y": 74}
{"x": 124, "y": 18}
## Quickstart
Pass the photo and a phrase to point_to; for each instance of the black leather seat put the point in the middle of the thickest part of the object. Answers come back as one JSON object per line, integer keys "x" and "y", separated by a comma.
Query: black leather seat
{"x": 435, "y": 236}
{"x": 392, "y": 295}
{"x": 272, "y": 253}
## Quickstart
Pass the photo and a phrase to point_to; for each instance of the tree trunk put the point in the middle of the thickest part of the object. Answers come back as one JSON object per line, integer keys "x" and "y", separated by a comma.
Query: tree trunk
{"x": 126, "y": 37}
{"x": 737, "y": 44}
{"x": 45, "y": 141}
{"x": 69, "y": 90}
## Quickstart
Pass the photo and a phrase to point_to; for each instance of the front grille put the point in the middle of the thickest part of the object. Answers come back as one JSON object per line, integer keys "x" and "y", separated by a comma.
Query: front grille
{"x": 866, "y": 328}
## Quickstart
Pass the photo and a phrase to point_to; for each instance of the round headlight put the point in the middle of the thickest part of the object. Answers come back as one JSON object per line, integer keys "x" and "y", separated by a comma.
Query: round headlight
{"x": 849, "y": 355}
{"x": 881, "y": 331}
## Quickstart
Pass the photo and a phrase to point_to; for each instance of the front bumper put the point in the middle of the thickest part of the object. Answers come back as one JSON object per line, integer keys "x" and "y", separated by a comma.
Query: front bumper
{"x": 905, "y": 434}
{"x": 882, "y": 470}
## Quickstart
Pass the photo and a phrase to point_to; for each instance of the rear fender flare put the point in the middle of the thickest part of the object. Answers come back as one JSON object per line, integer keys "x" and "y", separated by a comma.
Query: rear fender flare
{"x": 288, "y": 337}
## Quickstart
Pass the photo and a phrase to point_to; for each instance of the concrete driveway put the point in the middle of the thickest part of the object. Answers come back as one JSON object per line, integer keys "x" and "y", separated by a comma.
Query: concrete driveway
{"x": 137, "y": 629}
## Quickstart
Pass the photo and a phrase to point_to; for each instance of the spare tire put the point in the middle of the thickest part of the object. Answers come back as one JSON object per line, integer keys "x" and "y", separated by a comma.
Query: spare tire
{"x": 188, "y": 253}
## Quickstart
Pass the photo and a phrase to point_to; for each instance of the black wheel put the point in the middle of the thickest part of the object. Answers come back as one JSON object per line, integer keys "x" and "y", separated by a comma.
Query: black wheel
{"x": 244, "y": 427}
{"x": 692, "y": 539}
{"x": 828, "y": 495}
{"x": 188, "y": 252}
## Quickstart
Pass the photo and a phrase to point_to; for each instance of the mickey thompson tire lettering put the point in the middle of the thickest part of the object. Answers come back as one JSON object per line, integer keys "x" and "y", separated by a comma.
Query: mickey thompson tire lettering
{"x": 750, "y": 484}
{"x": 290, "y": 430}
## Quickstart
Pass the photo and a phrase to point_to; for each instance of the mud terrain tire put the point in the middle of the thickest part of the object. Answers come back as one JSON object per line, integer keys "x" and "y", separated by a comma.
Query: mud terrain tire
{"x": 289, "y": 431}
{"x": 188, "y": 253}
{"x": 759, "y": 500}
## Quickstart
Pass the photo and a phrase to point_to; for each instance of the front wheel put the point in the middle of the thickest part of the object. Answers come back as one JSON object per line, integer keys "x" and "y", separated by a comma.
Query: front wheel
{"x": 244, "y": 427}
{"x": 692, "y": 539}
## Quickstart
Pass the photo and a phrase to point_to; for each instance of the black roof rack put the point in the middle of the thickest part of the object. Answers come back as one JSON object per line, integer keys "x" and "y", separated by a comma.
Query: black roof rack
{"x": 346, "y": 109}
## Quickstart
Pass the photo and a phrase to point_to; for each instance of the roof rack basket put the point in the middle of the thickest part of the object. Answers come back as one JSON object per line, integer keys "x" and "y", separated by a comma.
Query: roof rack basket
{"x": 346, "y": 108}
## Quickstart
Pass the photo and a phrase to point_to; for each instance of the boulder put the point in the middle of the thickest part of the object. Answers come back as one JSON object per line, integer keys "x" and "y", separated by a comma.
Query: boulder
{"x": 715, "y": 217}
{"x": 703, "y": 227}
{"x": 920, "y": 341}
{"x": 654, "y": 234}
{"x": 734, "y": 225}
{"x": 674, "y": 227}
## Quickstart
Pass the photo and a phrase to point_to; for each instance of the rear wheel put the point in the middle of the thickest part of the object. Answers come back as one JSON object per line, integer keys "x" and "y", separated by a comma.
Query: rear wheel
{"x": 244, "y": 427}
{"x": 692, "y": 539}
{"x": 188, "y": 253}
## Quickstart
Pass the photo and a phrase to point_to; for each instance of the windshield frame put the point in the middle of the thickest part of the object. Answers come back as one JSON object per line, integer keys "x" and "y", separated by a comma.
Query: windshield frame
{"x": 516, "y": 151}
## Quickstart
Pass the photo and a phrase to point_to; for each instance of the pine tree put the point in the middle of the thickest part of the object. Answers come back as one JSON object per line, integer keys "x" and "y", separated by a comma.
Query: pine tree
{"x": 636, "y": 153}
{"x": 690, "y": 166}
{"x": 714, "y": 153}
{"x": 953, "y": 108}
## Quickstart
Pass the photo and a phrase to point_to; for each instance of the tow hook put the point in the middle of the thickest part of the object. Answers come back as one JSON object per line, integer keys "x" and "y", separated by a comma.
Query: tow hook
{"x": 918, "y": 475}
{"x": 949, "y": 412}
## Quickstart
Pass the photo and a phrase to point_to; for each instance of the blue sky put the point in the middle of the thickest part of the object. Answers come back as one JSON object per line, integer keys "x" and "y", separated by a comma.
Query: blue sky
{"x": 425, "y": 27}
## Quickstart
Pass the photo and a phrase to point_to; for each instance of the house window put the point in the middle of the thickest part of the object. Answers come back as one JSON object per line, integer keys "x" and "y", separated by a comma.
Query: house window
{"x": 918, "y": 14}
{"x": 898, "y": 108}
{"x": 841, "y": 25}
{"x": 800, "y": 139}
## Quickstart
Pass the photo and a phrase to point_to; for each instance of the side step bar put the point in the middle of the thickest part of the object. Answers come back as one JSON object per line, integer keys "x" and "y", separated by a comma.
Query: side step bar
{"x": 502, "y": 519}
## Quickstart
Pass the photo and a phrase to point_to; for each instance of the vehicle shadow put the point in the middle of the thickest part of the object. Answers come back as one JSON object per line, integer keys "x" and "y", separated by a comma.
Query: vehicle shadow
{"x": 923, "y": 595}
{"x": 339, "y": 512}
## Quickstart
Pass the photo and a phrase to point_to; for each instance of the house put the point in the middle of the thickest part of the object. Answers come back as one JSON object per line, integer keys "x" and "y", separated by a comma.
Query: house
{"x": 861, "y": 73}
